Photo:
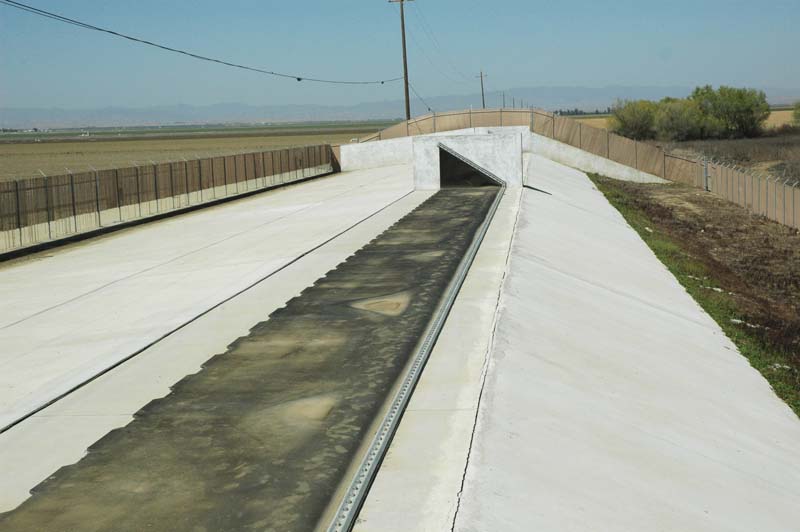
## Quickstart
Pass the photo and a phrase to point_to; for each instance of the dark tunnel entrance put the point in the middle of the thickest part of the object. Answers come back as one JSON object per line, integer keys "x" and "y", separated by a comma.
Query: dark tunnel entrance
{"x": 457, "y": 172}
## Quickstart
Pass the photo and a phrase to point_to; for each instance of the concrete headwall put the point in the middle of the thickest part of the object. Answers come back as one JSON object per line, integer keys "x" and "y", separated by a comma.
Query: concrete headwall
{"x": 500, "y": 154}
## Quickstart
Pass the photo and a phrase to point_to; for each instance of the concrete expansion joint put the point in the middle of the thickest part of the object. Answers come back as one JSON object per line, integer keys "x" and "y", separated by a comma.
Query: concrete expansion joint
{"x": 486, "y": 363}
{"x": 541, "y": 262}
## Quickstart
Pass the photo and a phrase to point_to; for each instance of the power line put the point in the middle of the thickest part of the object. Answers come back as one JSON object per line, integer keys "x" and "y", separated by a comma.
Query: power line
{"x": 420, "y": 97}
{"x": 84, "y": 25}
{"x": 432, "y": 36}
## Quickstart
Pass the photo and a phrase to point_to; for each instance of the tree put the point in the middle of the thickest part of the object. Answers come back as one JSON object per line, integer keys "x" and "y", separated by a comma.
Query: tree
{"x": 735, "y": 112}
{"x": 634, "y": 119}
{"x": 679, "y": 120}
{"x": 796, "y": 114}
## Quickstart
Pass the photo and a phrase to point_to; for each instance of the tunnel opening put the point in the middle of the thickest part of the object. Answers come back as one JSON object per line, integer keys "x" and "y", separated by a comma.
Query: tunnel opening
{"x": 458, "y": 171}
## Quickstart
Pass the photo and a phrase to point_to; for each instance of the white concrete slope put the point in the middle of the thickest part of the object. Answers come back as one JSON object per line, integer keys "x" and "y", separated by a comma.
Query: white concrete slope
{"x": 612, "y": 402}
{"x": 60, "y": 433}
{"x": 67, "y": 316}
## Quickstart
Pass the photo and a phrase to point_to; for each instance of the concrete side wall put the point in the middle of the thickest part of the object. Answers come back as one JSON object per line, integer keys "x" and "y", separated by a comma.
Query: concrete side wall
{"x": 500, "y": 154}
{"x": 587, "y": 162}
{"x": 375, "y": 154}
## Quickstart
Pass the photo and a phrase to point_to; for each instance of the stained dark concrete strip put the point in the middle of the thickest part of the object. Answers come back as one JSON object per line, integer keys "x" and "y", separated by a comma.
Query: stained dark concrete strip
{"x": 261, "y": 437}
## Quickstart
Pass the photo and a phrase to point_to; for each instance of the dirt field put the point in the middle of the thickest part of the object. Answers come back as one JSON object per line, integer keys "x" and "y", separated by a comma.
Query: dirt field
{"x": 25, "y": 159}
{"x": 744, "y": 270}
{"x": 594, "y": 121}
{"x": 779, "y": 118}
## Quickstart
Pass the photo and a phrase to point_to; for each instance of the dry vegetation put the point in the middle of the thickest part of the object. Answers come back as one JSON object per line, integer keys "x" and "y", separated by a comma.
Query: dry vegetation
{"x": 778, "y": 118}
{"x": 25, "y": 159}
{"x": 778, "y": 155}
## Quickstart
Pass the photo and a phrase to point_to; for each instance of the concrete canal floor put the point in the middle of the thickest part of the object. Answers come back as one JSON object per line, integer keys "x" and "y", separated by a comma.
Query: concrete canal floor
{"x": 261, "y": 437}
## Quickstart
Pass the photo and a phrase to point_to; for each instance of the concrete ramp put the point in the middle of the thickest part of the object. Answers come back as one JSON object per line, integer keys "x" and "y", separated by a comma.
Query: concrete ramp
{"x": 612, "y": 400}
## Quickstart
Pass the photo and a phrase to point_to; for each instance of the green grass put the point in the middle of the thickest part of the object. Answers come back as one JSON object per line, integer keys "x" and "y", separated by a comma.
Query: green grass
{"x": 699, "y": 280}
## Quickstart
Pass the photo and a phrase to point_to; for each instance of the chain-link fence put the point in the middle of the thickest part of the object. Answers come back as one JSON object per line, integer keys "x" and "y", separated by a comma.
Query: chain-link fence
{"x": 777, "y": 199}
{"x": 41, "y": 209}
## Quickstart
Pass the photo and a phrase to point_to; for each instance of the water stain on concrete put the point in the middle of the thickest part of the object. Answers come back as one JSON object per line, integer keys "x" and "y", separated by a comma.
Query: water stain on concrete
{"x": 388, "y": 305}
{"x": 261, "y": 437}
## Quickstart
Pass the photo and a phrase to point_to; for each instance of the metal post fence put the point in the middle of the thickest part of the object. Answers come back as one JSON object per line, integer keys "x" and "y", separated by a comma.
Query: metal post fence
{"x": 97, "y": 197}
{"x": 19, "y": 209}
{"x": 74, "y": 207}
{"x": 47, "y": 208}
{"x": 138, "y": 192}
{"x": 119, "y": 199}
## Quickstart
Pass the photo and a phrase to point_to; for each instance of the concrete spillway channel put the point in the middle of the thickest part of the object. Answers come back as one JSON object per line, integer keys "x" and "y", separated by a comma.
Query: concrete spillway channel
{"x": 271, "y": 434}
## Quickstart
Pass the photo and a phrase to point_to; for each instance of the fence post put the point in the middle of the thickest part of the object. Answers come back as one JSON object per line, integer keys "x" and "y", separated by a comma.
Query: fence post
{"x": 664, "y": 164}
{"x": 186, "y": 179}
{"x": 19, "y": 214}
{"x": 225, "y": 173}
{"x": 74, "y": 207}
{"x": 171, "y": 185}
{"x": 580, "y": 135}
{"x": 434, "y": 121}
{"x": 705, "y": 175}
{"x": 636, "y": 154}
{"x": 760, "y": 180}
{"x": 119, "y": 199}
{"x": 608, "y": 145}
{"x": 554, "y": 127}
{"x": 784, "y": 200}
{"x": 97, "y": 198}
{"x": 47, "y": 207}
{"x": 138, "y": 192}
{"x": 501, "y": 116}
{"x": 155, "y": 186}
{"x": 200, "y": 176}
{"x": 470, "y": 117}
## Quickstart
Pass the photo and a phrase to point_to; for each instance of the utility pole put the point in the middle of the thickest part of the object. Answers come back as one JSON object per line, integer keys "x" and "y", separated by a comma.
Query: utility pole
{"x": 405, "y": 57}
{"x": 504, "y": 99}
{"x": 483, "y": 98}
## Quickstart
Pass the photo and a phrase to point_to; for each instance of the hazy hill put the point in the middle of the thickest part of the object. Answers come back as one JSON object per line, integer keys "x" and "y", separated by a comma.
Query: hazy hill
{"x": 586, "y": 98}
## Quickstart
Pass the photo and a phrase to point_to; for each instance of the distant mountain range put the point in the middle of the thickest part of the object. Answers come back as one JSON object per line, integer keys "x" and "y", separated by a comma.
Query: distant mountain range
{"x": 585, "y": 98}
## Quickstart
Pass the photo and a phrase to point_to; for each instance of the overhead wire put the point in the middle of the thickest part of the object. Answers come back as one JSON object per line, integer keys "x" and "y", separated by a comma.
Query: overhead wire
{"x": 428, "y": 30}
{"x": 67, "y": 20}
{"x": 420, "y": 97}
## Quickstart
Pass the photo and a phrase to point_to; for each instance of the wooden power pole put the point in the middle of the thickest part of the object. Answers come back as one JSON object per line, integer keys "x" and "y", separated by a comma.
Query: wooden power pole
{"x": 483, "y": 98}
{"x": 405, "y": 57}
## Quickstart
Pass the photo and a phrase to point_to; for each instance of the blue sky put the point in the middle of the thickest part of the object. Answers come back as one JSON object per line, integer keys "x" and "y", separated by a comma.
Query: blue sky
{"x": 519, "y": 43}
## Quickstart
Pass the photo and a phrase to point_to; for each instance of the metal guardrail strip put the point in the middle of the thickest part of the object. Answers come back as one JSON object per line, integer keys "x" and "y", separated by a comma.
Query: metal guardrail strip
{"x": 359, "y": 487}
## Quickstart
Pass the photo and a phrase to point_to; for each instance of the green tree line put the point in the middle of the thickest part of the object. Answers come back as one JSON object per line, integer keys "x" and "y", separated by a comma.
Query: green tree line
{"x": 708, "y": 113}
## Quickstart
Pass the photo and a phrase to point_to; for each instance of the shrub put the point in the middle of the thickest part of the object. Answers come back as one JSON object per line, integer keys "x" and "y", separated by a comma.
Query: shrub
{"x": 796, "y": 114}
{"x": 634, "y": 119}
{"x": 679, "y": 120}
{"x": 736, "y": 112}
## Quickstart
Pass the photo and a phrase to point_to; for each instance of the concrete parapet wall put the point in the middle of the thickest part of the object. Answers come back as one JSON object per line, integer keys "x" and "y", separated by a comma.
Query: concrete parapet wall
{"x": 588, "y": 162}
